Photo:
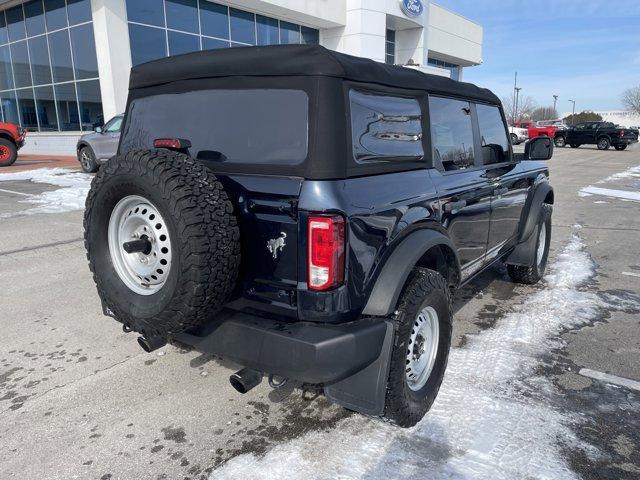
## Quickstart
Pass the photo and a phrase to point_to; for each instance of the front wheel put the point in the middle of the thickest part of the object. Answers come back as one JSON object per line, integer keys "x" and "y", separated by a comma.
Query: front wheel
{"x": 530, "y": 274}
{"x": 620, "y": 147}
{"x": 421, "y": 348}
{"x": 559, "y": 141}
{"x": 604, "y": 143}
{"x": 8, "y": 152}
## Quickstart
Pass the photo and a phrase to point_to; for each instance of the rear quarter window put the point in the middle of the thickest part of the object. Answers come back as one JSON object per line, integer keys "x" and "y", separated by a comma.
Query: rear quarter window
{"x": 385, "y": 127}
{"x": 257, "y": 126}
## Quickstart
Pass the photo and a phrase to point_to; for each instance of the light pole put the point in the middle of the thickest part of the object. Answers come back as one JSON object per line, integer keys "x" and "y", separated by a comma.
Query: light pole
{"x": 513, "y": 106}
{"x": 515, "y": 115}
{"x": 573, "y": 112}
{"x": 555, "y": 99}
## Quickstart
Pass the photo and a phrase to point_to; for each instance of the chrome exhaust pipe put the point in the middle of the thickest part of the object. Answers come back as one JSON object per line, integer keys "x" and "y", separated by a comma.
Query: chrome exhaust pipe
{"x": 152, "y": 343}
{"x": 245, "y": 379}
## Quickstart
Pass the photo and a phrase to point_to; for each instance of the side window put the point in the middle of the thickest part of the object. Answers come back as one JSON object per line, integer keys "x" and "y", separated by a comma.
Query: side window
{"x": 384, "y": 127}
{"x": 113, "y": 125}
{"x": 493, "y": 136}
{"x": 451, "y": 133}
{"x": 581, "y": 126}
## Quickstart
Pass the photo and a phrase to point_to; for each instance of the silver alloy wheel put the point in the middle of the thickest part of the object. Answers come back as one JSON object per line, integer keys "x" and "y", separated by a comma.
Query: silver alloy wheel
{"x": 136, "y": 218}
{"x": 560, "y": 141}
{"x": 86, "y": 161}
{"x": 423, "y": 348}
{"x": 603, "y": 143}
{"x": 542, "y": 240}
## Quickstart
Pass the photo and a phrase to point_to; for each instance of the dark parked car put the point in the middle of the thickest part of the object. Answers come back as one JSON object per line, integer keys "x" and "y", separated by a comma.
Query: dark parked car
{"x": 98, "y": 147}
{"x": 309, "y": 215}
{"x": 602, "y": 134}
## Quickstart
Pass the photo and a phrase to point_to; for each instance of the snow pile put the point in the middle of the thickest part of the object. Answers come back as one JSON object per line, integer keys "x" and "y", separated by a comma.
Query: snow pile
{"x": 493, "y": 418}
{"x": 625, "y": 195}
{"x": 71, "y": 196}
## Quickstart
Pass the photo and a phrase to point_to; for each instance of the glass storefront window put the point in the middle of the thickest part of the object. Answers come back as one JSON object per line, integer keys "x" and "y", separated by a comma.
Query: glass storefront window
{"x": 217, "y": 25}
{"x": 55, "y": 14}
{"x": 182, "y": 15}
{"x": 39, "y": 56}
{"x": 46, "y": 108}
{"x": 34, "y": 18}
{"x": 214, "y": 20}
{"x": 15, "y": 23}
{"x": 182, "y": 43}
{"x": 48, "y": 66}
{"x": 147, "y": 43}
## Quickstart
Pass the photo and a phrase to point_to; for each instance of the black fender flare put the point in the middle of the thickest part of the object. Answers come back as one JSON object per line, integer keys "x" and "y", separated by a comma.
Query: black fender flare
{"x": 389, "y": 284}
{"x": 524, "y": 252}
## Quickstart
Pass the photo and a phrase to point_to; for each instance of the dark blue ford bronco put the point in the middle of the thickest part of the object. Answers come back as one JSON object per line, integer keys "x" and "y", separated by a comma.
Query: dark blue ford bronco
{"x": 309, "y": 215}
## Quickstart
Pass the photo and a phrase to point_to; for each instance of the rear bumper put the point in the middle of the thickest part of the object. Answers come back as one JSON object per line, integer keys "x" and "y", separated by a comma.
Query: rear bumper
{"x": 306, "y": 351}
{"x": 623, "y": 141}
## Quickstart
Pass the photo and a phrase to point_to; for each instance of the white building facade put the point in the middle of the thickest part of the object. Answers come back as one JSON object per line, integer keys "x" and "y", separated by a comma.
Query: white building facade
{"x": 64, "y": 64}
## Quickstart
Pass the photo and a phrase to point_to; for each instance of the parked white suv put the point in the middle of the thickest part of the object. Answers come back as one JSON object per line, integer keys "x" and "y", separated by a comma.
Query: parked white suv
{"x": 518, "y": 135}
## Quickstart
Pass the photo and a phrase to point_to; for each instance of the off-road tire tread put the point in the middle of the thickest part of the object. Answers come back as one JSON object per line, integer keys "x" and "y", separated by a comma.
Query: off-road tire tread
{"x": 529, "y": 275}
{"x": 421, "y": 282}
{"x": 207, "y": 232}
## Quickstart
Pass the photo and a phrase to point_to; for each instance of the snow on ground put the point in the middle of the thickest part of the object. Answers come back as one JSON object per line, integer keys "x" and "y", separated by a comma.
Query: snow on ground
{"x": 632, "y": 173}
{"x": 71, "y": 196}
{"x": 495, "y": 418}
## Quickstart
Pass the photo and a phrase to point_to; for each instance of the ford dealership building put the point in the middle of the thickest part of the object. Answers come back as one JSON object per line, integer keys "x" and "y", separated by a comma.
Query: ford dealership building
{"x": 64, "y": 64}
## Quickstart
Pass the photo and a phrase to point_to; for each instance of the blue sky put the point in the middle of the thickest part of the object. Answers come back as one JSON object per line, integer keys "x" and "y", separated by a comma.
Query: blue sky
{"x": 586, "y": 50}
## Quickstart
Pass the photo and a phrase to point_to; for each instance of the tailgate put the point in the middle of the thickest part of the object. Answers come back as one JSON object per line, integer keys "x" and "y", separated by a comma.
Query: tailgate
{"x": 267, "y": 212}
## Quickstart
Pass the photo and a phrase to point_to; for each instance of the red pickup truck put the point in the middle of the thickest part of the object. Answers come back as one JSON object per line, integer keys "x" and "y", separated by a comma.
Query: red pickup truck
{"x": 536, "y": 130}
{"x": 11, "y": 140}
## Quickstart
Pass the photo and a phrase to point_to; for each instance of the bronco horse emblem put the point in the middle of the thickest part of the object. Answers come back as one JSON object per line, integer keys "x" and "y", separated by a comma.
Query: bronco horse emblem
{"x": 276, "y": 244}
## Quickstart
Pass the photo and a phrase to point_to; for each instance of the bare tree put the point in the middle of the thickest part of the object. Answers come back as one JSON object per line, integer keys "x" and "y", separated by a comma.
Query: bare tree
{"x": 544, "y": 113}
{"x": 631, "y": 99}
{"x": 526, "y": 105}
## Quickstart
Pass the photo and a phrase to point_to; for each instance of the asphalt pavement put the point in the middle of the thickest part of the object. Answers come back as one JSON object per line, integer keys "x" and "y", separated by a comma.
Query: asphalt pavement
{"x": 80, "y": 399}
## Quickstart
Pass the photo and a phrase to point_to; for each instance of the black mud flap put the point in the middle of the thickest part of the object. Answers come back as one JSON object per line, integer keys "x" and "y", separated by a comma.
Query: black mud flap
{"x": 364, "y": 392}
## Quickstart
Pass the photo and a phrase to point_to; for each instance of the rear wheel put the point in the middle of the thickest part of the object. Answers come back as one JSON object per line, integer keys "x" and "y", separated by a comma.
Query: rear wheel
{"x": 421, "y": 348}
{"x": 87, "y": 160}
{"x": 162, "y": 241}
{"x": 514, "y": 139}
{"x": 8, "y": 152}
{"x": 603, "y": 143}
{"x": 620, "y": 147}
{"x": 559, "y": 141}
{"x": 531, "y": 274}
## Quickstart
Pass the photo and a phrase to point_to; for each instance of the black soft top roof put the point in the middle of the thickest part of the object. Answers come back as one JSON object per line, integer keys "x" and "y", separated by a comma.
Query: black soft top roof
{"x": 296, "y": 60}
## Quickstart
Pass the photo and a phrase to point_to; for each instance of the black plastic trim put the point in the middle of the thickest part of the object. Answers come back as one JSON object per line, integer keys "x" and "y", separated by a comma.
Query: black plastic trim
{"x": 303, "y": 351}
{"x": 388, "y": 287}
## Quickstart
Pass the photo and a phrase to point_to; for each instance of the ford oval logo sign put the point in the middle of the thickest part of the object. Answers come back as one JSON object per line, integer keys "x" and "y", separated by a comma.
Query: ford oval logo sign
{"x": 412, "y": 8}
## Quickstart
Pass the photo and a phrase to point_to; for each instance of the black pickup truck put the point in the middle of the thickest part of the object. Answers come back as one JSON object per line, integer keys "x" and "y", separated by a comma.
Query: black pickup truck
{"x": 602, "y": 134}
{"x": 309, "y": 215}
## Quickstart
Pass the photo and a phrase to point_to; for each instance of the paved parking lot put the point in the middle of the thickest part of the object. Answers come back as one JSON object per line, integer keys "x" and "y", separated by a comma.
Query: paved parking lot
{"x": 80, "y": 399}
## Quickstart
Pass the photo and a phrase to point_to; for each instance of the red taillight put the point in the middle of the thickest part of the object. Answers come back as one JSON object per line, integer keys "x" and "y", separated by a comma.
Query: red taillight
{"x": 174, "y": 143}
{"x": 621, "y": 133}
{"x": 326, "y": 252}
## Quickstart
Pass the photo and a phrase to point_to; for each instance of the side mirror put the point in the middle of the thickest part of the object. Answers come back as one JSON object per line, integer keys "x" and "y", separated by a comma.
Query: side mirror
{"x": 97, "y": 129}
{"x": 538, "y": 148}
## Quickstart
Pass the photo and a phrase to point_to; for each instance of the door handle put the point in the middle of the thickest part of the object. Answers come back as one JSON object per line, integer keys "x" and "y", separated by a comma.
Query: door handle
{"x": 452, "y": 207}
{"x": 500, "y": 191}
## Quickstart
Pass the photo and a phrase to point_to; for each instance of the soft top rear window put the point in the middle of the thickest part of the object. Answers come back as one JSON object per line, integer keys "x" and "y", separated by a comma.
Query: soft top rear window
{"x": 255, "y": 126}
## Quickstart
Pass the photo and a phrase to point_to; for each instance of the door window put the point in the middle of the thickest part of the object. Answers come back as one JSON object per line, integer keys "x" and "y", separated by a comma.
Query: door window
{"x": 493, "y": 135}
{"x": 113, "y": 125}
{"x": 451, "y": 133}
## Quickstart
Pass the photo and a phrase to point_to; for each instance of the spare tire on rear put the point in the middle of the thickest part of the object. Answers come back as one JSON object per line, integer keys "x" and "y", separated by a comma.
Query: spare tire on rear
{"x": 162, "y": 241}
